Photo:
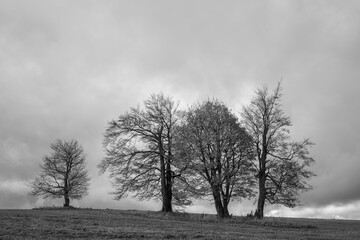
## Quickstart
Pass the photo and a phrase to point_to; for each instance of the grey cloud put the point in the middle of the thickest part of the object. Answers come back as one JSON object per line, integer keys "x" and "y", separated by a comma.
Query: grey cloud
{"x": 13, "y": 200}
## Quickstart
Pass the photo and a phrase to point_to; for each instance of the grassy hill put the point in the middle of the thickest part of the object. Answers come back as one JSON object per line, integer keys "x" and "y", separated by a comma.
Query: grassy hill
{"x": 55, "y": 223}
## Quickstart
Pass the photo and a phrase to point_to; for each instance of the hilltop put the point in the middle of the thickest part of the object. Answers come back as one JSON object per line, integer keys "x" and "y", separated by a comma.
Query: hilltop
{"x": 73, "y": 223}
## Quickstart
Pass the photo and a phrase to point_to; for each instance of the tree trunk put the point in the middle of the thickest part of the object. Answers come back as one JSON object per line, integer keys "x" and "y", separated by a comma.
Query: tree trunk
{"x": 66, "y": 192}
{"x": 166, "y": 185}
{"x": 167, "y": 199}
{"x": 221, "y": 209}
{"x": 168, "y": 189}
{"x": 259, "y": 213}
{"x": 226, "y": 210}
{"x": 67, "y": 200}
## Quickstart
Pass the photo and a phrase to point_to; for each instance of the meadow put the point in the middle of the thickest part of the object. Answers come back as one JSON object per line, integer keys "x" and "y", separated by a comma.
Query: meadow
{"x": 57, "y": 223}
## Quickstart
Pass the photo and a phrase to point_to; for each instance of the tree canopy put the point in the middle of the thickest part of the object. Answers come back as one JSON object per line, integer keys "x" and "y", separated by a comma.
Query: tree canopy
{"x": 217, "y": 151}
{"x": 140, "y": 155}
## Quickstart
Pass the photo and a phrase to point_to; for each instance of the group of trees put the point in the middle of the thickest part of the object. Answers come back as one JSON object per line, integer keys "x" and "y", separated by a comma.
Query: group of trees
{"x": 177, "y": 156}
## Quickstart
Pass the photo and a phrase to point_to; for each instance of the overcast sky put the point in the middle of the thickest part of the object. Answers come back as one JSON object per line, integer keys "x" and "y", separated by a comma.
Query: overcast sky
{"x": 69, "y": 67}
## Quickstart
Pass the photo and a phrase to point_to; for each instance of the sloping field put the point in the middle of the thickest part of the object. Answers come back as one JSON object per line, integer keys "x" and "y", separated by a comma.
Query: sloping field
{"x": 117, "y": 224}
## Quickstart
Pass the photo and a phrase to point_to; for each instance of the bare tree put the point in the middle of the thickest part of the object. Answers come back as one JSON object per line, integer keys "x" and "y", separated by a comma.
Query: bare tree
{"x": 281, "y": 164}
{"x": 218, "y": 154}
{"x": 63, "y": 173}
{"x": 140, "y": 155}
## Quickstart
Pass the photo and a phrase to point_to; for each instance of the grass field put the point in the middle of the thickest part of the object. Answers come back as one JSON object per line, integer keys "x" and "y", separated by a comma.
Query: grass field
{"x": 117, "y": 224}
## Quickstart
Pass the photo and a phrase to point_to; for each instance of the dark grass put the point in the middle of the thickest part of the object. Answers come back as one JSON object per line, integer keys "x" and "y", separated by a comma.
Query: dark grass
{"x": 74, "y": 223}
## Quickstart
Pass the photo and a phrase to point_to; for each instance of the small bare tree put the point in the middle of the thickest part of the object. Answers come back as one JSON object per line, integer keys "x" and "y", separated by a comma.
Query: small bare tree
{"x": 63, "y": 173}
{"x": 282, "y": 165}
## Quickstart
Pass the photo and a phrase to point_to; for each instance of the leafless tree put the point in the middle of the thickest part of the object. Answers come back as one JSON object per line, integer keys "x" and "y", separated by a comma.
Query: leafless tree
{"x": 282, "y": 164}
{"x": 63, "y": 173}
{"x": 218, "y": 154}
{"x": 140, "y": 155}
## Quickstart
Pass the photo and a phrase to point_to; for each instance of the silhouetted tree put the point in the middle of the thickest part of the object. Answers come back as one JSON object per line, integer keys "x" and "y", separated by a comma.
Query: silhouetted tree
{"x": 140, "y": 155}
{"x": 63, "y": 173}
{"x": 281, "y": 164}
{"x": 217, "y": 152}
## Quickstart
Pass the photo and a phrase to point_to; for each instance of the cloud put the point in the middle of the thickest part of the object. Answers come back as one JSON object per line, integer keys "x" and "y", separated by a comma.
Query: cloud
{"x": 331, "y": 211}
{"x": 14, "y": 194}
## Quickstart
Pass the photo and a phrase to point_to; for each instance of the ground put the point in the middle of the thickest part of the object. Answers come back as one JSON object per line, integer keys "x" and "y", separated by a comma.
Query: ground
{"x": 117, "y": 224}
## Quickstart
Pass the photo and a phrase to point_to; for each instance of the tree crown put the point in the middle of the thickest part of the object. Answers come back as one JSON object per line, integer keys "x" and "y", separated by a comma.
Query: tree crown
{"x": 63, "y": 172}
